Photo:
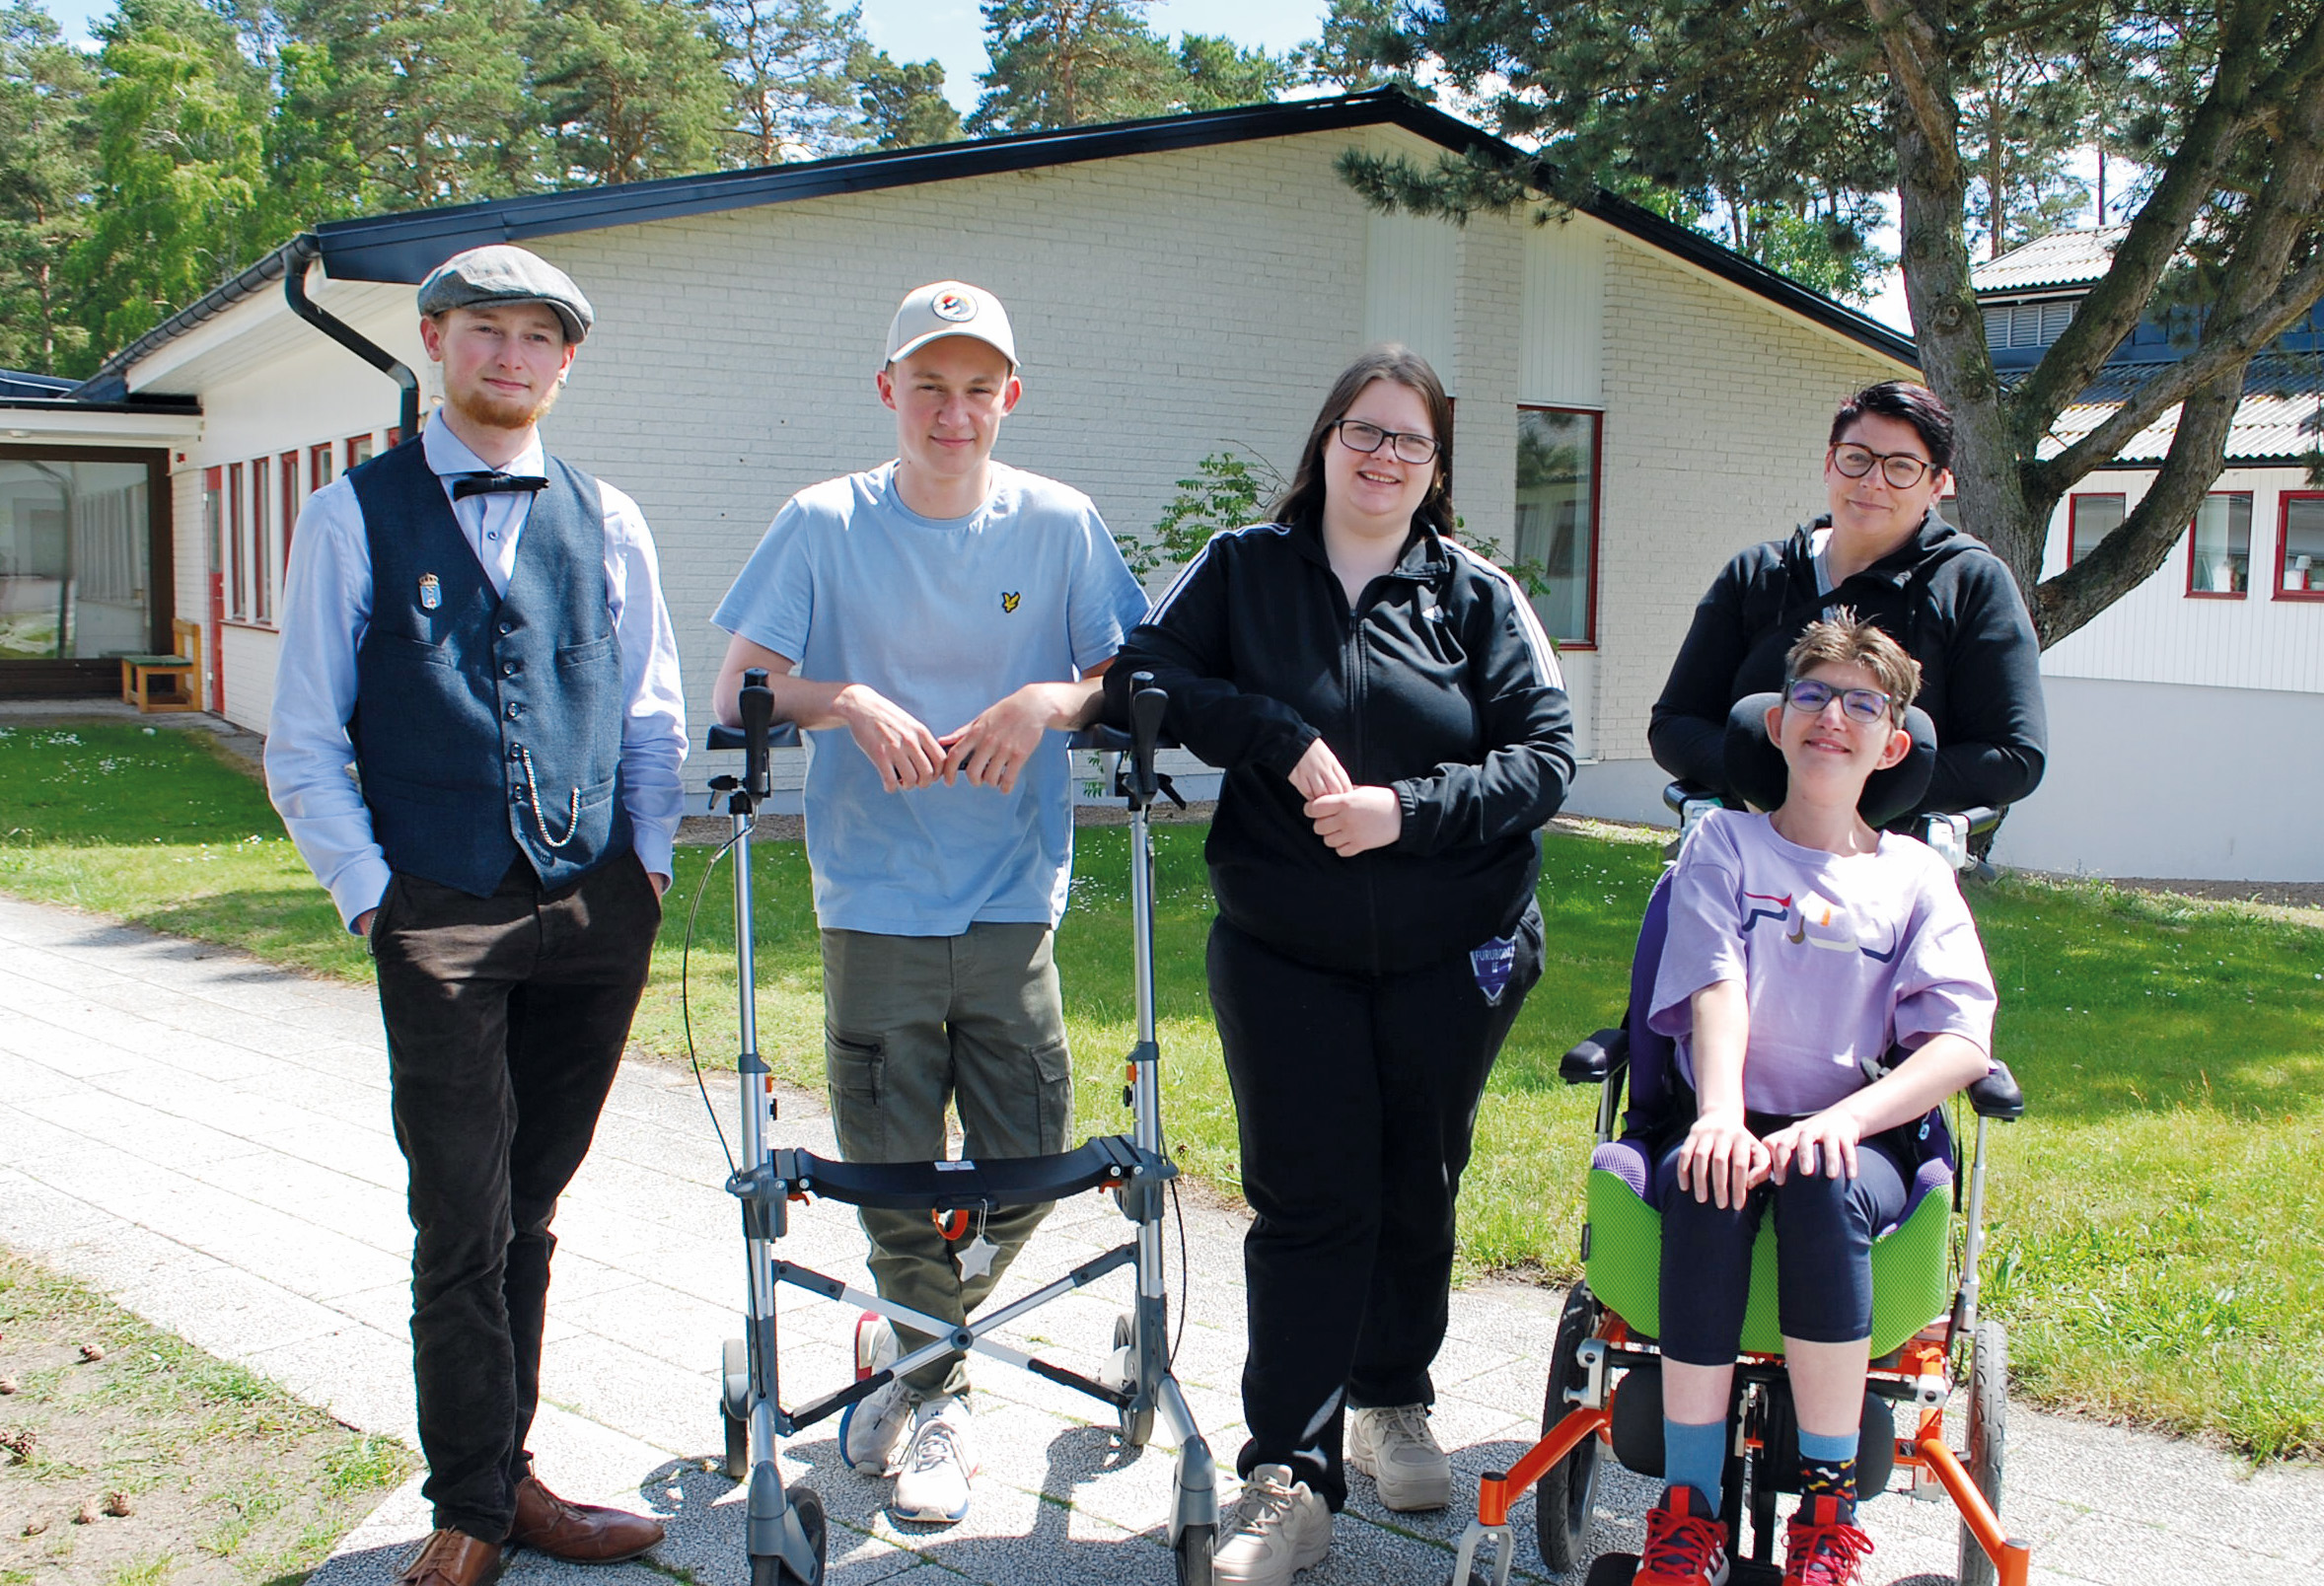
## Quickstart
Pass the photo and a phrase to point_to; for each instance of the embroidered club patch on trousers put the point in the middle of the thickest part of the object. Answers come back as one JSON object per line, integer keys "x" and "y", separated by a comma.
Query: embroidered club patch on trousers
{"x": 1493, "y": 964}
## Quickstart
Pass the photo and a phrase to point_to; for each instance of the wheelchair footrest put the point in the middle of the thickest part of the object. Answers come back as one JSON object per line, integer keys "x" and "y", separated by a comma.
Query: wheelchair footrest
{"x": 1106, "y": 1161}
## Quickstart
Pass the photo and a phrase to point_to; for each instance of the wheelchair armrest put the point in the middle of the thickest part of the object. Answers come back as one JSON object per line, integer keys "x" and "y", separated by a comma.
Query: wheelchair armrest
{"x": 1998, "y": 1096}
{"x": 1595, "y": 1059}
{"x": 1678, "y": 795}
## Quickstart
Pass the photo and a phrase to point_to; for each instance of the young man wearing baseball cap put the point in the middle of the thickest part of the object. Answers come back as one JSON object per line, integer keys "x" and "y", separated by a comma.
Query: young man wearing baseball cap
{"x": 937, "y": 624}
{"x": 476, "y": 628}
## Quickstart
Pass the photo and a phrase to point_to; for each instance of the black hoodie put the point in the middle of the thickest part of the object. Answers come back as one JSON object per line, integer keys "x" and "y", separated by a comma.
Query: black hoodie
{"x": 1440, "y": 685}
{"x": 1943, "y": 594}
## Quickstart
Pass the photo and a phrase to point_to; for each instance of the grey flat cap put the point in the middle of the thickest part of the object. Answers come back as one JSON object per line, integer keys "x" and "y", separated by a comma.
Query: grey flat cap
{"x": 503, "y": 274}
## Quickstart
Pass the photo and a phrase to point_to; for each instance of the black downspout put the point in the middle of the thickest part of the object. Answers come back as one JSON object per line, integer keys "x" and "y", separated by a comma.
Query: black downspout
{"x": 304, "y": 253}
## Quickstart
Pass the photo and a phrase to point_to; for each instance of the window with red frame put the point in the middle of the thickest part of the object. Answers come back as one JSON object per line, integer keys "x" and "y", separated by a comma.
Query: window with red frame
{"x": 358, "y": 449}
{"x": 2088, "y": 520}
{"x": 237, "y": 567}
{"x": 319, "y": 468}
{"x": 2218, "y": 546}
{"x": 2299, "y": 546}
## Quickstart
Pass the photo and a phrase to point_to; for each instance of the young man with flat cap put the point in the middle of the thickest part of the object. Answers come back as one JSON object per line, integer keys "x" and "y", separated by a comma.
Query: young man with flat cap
{"x": 935, "y": 624}
{"x": 476, "y": 744}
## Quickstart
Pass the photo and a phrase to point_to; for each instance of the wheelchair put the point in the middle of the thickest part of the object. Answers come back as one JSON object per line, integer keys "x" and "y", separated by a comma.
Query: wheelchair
{"x": 1605, "y": 1389}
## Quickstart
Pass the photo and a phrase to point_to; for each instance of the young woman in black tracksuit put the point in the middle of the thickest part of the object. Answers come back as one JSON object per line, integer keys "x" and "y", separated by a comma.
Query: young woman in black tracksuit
{"x": 1394, "y": 731}
{"x": 1882, "y": 551}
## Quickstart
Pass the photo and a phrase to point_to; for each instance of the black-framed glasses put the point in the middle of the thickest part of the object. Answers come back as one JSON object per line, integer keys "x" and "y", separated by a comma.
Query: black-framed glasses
{"x": 1809, "y": 696}
{"x": 1408, "y": 445}
{"x": 1902, "y": 469}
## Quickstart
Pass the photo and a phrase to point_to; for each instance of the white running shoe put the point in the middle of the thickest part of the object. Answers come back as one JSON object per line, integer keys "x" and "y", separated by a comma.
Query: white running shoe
{"x": 1395, "y": 1449}
{"x": 1278, "y": 1526}
{"x": 873, "y": 1429}
{"x": 933, "y": 1485}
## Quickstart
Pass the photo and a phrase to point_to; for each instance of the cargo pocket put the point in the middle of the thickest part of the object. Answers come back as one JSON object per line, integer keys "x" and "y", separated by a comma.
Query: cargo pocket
{"x": 1052, "y": 1081}
{"x": 852, "y": 1072}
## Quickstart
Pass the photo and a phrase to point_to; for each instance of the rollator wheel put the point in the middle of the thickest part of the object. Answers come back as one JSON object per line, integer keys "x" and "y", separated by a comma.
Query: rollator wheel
{"x": 735, "y": 1373}
{"x": 1194, "y": 1555}
{"x": 766, "y": 1570}
{"x": 1564, "y": 1503}
{"x": 1136, "y": 1426}
{"x": 1988, "y": 1409}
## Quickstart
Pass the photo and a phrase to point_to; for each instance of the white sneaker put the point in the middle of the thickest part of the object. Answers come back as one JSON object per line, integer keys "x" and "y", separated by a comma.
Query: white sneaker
{"x": 1277, "y": 1527}
{"x": 1395, "y": 1449}
{"x": 873, "y": 1429}
{"x": 933, "y": 1485}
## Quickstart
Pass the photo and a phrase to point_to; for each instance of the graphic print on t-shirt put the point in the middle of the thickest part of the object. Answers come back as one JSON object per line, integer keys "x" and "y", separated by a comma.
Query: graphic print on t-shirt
{"x": 1813, "y": 920}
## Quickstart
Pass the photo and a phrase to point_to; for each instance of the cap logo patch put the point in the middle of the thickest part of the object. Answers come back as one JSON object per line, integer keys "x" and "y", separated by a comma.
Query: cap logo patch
{"x": 953, "y": 306}
{"x": 1009, "y": 600}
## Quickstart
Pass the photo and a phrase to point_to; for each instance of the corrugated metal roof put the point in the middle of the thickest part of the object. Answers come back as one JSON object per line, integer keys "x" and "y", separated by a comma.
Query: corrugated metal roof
{"x": 2280, "y": 419}
{"x": 2061, "y": 258}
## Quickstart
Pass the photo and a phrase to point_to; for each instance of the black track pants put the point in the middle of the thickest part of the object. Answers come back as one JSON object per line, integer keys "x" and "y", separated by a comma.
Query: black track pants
{"x": 1356, "y": 1098}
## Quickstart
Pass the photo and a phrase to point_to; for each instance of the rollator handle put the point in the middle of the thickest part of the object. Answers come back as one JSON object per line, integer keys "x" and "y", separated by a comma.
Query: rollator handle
{"x": 1148, "y": 705}
{"x": 757, "y": 702}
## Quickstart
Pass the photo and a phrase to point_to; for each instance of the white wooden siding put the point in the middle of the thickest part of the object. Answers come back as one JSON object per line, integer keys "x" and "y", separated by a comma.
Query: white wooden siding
{"x": 1561, "y": 355}
{"x": 1411, "y": 265}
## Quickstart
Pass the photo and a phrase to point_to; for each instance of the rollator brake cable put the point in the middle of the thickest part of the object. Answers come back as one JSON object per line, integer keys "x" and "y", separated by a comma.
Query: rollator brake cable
{"x": 685, "y": 1009}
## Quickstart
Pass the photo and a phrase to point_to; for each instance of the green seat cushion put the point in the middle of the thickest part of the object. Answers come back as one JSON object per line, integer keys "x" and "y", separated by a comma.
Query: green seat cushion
{"x": 1911, "y": 1269}
{"x": 157, "y": 660}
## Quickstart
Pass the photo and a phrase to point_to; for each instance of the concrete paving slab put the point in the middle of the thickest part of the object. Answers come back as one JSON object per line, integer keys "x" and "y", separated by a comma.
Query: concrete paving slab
{"x": 236, "y": 1178}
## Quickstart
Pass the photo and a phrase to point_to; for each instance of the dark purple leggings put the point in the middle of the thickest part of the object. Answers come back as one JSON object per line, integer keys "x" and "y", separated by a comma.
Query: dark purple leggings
{"x": 1823, "y": 1268}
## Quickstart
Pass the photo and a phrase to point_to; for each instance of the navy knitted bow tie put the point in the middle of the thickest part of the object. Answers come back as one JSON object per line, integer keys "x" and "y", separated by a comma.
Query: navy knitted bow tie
{"x": 465, "y": 485}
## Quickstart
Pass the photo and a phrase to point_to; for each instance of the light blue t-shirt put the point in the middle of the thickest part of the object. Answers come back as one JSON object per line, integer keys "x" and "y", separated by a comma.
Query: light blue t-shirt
{"x": 944, "y": 617}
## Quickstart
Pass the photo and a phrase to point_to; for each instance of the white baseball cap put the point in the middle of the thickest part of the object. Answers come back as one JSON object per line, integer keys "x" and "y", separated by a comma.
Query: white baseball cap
{"x": 949, "y": 309}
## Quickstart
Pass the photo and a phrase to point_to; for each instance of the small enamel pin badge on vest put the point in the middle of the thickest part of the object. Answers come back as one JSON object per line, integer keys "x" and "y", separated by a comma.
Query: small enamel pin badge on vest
{"x": 1009, "y": 600}
{"x": 431, "y": 593}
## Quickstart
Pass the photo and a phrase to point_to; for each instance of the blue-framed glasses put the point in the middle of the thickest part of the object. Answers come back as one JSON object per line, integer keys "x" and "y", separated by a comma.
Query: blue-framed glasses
{"x": 1809, "y": 696}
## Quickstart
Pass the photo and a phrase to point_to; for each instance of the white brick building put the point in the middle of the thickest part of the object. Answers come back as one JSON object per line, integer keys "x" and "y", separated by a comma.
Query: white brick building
{"x": 1177, "y": 287}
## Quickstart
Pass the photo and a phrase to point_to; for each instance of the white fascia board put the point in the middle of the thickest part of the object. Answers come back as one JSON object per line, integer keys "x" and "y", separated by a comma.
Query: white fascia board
{"x": 79, "y": 426}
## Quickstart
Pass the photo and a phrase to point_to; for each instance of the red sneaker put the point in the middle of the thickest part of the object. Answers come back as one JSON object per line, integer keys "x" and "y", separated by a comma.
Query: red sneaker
{"x": 1685, "y": 1545}
{"x": 1820, "y": 1550}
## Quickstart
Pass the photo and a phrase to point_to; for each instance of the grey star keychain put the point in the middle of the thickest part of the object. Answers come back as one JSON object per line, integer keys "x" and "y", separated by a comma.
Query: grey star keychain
{"x": 976, "y": 1257}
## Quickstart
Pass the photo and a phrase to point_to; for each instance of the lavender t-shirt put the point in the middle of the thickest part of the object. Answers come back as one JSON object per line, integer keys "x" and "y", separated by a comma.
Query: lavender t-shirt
{"x": 1841, "y": 957}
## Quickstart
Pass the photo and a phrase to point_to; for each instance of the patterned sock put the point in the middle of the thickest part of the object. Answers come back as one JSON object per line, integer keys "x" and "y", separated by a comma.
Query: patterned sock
{"x": 1696, "y": 1456}
{"x": 1828, "y": 1469}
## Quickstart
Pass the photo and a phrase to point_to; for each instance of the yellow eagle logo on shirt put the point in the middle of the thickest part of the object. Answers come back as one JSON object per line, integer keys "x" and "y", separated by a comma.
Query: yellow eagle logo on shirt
{"x": 1009, "y": 599}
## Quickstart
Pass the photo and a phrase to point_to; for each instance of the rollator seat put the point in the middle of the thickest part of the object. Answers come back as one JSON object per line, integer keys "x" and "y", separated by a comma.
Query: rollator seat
{"x": 1912, "y": 1275}
{"x": 1103, "y": 1162}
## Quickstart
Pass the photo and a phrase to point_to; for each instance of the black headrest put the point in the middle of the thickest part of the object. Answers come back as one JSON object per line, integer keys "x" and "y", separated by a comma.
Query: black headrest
{"x": 1756, "y": 773}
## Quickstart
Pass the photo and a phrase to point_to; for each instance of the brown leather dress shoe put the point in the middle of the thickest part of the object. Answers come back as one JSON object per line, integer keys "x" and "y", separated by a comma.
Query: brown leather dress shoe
{"x": 453, "y": 1559}
{"x": 580, "y": 1533}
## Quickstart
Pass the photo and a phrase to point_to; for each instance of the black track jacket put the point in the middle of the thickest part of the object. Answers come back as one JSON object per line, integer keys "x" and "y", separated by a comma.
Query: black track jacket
{"x": 1943, "y": 594}
{"x": 1442, "y": 684}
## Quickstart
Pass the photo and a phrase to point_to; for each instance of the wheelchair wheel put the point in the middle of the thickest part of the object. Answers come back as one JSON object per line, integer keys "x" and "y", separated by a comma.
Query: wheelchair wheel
{"x": 1564, "y": 1502}
{"x": 766, "y": 1570}
{"x": 1194, "y": 1555}
{"x": 1989, "y": 1408}
{"x": 1136, "y": 1428}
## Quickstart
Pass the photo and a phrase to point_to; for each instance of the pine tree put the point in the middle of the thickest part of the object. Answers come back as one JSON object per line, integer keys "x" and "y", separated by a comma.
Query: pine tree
{"x": 181, "y": 200}
{"x": 792, "y": 62}
{"x": 46, "y": 167}
{"x": 1217, "y": 74}
{"x": 902, "y": 105}
{"x": 631, "y": 89}
{"x": 1058, "y": 64}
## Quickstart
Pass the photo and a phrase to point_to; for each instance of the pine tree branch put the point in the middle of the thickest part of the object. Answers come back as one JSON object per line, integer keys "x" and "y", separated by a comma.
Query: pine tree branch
{"x": 1908, "y": 42}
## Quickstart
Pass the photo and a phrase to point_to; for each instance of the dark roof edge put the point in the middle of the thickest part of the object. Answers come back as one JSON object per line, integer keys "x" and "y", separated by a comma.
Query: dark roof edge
{"x": 111, "y": 382}
{"x": 163, "y": 406}
{"x": 404, "y": 246}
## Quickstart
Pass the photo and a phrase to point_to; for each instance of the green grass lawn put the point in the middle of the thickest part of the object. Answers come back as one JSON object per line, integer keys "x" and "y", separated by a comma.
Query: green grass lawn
{"x": 2154, "y": 1219}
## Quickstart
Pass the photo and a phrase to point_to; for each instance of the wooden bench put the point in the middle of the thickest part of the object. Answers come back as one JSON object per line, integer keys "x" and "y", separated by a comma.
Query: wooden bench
{"x": 179, "y": 674}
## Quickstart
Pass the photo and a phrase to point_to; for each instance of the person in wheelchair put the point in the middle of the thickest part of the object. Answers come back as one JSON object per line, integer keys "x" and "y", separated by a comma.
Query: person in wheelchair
{"x": 1825, "y": 988}
{"x": 1882, "y": 551}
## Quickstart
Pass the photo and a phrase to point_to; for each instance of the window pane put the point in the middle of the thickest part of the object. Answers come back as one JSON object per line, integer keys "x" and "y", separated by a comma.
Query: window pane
{"x": 73, "y": 559}
{"x": 2093, "y": 518}
{"x": 2222, "y": 544}
{"x": 2303, "y": 545}
{"x": 1557, "y": 516}
{"x": 261, "y": 541}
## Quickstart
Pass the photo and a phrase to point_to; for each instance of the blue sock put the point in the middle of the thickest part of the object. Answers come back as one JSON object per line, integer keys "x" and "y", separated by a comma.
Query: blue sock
{"x": 1696, "y": 1456}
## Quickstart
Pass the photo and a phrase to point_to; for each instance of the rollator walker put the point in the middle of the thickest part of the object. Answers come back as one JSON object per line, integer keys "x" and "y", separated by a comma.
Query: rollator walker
{"x": 785, "y": 1526}
{"x": 1605, "y": 1389}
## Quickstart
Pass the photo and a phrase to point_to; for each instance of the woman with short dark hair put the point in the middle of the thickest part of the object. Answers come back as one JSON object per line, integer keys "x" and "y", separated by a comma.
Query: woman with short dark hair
{"x": 1394, "y": 732}
{"x": 1884, "y": 549}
